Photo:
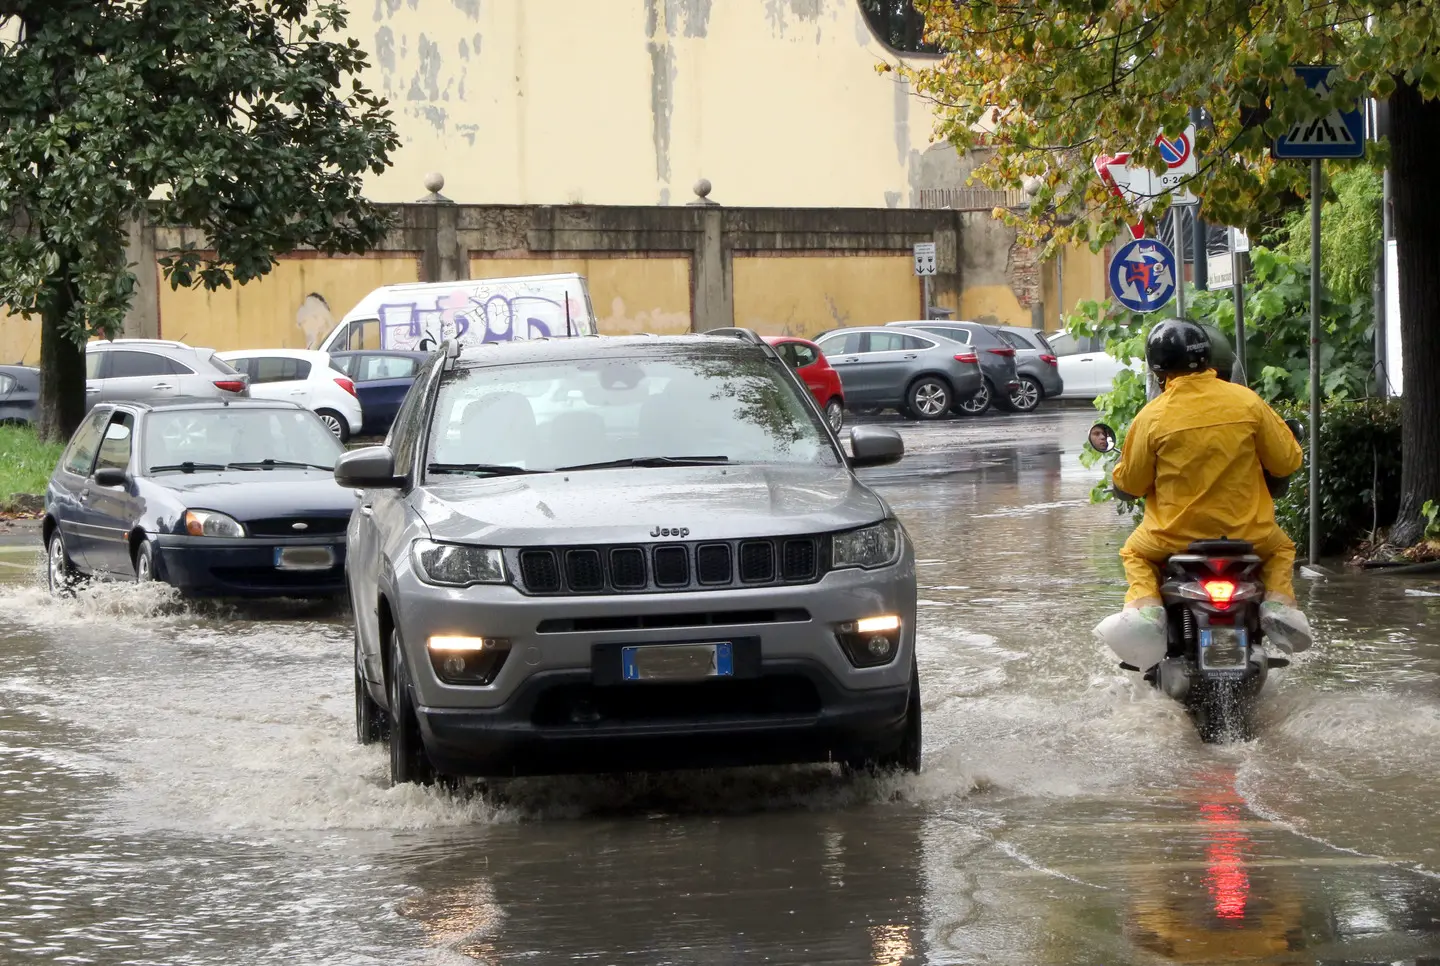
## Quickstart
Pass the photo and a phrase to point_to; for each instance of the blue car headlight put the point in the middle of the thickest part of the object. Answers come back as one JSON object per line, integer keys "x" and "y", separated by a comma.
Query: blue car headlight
{"x": 212, "y": 523}
{"x": 868, "y": 547}
{"x": 457, "y": 564}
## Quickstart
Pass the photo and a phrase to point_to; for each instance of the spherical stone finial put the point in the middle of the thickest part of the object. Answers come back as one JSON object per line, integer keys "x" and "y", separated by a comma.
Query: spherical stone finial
{"x": 434, "y": 181}
{"x": 702, "y": 188}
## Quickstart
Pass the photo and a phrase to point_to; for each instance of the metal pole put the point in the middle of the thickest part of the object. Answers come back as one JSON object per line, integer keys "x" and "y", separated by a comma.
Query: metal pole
{"x": 1382, "y": 304}
{"x": 1199, "y": 234}
{"x": 1237, "y": 262}
{"x": 925, "y": 296}
{"x": 1179, "y": 227}
{"x": 1315, "y": 187}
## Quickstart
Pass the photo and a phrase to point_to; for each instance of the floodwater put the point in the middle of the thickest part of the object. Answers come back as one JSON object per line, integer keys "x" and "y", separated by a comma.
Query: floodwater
{"x": 179, "y": 784}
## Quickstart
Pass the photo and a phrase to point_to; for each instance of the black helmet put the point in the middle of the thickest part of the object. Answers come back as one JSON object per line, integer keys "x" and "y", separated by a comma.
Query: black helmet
{"x": 1177, "y": 345}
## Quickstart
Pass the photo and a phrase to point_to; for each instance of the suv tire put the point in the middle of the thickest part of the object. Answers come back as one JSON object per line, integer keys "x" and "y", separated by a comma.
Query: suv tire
{"x": 409, "y": 765}
{"x": 336, "y": 423}
{"x": 1027, "y": 398}
{"x": 928, "y": 398}
{"x": 906, "y": 757}
{"x": 979, "y": 403}
{"x": 372, "y": 724}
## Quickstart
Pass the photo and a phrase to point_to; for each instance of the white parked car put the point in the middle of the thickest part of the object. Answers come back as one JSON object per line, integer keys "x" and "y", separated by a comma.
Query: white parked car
{"x": 302, "y": 376}
{"x": 1085, "y": 367}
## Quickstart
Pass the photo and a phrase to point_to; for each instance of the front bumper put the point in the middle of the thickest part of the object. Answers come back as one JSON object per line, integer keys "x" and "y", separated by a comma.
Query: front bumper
{"x": 216, "y": 567}
{"x": 553, "y": 707}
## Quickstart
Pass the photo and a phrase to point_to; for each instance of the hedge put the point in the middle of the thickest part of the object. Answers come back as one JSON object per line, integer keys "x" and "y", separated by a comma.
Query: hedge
{"x": 1359, "y": 474}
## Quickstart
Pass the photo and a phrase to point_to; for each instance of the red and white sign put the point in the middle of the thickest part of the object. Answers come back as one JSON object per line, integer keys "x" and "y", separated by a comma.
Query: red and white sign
{"x": 1141, "y": 187}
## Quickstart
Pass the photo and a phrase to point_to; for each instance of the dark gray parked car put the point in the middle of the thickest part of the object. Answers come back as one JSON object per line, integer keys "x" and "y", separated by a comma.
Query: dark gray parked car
{"x": 920, "y": 376}
{"x": 997, "y": 360}
{"x": 627, "y": 553}
{"x": 1037, "y": 365}
{"x": 19, "y": 393}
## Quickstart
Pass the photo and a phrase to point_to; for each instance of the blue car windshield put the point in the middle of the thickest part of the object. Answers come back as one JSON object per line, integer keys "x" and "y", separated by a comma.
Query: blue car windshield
{"x": 684, "y": 406}
{"x": 221, "y": 436}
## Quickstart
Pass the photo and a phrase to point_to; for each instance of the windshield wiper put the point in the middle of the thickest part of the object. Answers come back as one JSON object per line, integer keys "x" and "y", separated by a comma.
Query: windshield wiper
{"x": 272, "y": 464}
{"x": 488, "y": 469}
{"x": 648, "y": 461}
{"x": 187, "y": 467}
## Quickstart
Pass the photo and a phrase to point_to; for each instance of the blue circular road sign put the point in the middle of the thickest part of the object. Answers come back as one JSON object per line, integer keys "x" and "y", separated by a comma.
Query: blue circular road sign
{"x": 1142, "y": 275}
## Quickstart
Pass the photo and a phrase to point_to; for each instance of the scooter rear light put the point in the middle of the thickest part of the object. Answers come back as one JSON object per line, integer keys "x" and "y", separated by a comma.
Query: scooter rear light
{"x": 1221, "y": 592}
{"x": 967, "y": 357}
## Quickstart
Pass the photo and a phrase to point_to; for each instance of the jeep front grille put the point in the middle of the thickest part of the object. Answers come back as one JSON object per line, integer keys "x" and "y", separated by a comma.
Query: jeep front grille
{"x": 658, "y": 568}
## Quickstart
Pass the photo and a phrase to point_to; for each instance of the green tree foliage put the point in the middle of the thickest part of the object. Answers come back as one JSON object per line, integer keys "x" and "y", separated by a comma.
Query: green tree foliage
{"x": 1051, "y": 84}
{"x": 1349, "y": 233}
{"x": 239, "y": 118}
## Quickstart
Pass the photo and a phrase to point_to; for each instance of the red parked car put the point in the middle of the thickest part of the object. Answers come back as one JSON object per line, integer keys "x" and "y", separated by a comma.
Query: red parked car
{"x": 814, "y": 370}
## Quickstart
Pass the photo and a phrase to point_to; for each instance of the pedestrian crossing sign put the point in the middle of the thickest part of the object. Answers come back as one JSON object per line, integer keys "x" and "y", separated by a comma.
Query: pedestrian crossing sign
{"x": 1336, "y": 134}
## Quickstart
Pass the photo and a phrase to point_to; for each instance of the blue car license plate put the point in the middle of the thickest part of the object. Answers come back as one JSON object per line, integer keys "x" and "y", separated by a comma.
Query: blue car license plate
{"x": 678, "y": 662}
{"x": 304, "y": 558}
{"x": 1223, "y": 648}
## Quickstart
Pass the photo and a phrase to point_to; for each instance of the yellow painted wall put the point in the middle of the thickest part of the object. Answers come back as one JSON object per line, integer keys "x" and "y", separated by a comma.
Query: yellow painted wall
{"x": 997, "y": 302}
{"x": 632, "y": 101}
{"x": 806, "y": 294}
{"x": 275, "y": 312}
{"x": 19, "y": 340}
{"x": 1084, "y": 279}
{"x": 628, "y": 294}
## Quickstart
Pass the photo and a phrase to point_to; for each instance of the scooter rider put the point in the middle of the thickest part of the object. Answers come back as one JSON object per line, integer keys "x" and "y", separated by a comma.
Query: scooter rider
{"x": 1199, "y": 454}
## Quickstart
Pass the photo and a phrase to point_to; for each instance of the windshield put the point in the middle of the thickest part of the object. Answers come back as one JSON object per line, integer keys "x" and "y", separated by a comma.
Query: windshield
{"x": 544, "y": 416}
{"x": 223, "y": 436}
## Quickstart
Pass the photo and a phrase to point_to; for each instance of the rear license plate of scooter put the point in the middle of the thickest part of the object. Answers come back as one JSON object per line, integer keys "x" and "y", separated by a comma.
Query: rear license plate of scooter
{"x": 677, "y": 662}
{"x": 304, "y": 558}
{"x": 1224, "y": 648}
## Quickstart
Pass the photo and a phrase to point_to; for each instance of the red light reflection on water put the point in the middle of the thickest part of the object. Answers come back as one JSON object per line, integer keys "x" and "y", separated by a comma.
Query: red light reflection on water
{"x": 1225, "y": 875}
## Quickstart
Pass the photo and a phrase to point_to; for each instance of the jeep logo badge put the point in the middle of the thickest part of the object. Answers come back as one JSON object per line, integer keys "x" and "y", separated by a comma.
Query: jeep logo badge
{"x": 681, "y": 532}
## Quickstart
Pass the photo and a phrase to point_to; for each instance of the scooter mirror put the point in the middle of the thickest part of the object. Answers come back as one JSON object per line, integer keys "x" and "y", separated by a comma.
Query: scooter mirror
{"x": 1102, "y": 438}
{"x": 1298, "y": 428}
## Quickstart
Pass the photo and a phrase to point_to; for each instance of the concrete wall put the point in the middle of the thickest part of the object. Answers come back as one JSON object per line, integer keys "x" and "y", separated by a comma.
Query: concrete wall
{"x": 651, "y": 269}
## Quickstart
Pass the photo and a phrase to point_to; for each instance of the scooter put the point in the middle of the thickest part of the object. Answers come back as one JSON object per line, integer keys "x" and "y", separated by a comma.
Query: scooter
{"x": 1215, "y": 662}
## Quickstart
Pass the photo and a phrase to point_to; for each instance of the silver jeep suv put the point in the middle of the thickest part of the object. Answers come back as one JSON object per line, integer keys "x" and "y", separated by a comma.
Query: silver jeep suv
{"x": 624, "y": 554}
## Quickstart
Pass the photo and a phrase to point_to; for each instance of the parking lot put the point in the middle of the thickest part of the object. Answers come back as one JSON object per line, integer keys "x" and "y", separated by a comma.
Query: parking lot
{"x": 181, "y": 783}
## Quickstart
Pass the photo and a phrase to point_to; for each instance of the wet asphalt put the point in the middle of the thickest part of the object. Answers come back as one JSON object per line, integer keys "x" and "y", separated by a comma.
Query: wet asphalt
{"x": 179, "y": 783}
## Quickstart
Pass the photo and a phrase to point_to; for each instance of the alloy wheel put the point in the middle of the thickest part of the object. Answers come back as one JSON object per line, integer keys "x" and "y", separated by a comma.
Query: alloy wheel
{"x": 1027, "y": 397}
{"x": 979, "y": 402}
{"x": 931, "y": 400}
{"x": 835, "y": 414}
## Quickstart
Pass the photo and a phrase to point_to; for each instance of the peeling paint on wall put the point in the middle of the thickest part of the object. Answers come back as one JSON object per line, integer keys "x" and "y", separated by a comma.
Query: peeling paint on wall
{"x": 470, "y": 8}
{"x": 902, "y": 119}
{"x": 892, "y": 199}
{"x": 426, "y": 83}
{"x": 662, "y": 103}
{"x": 385, "y": 9}
{"x": 435, "y": 115}
{"x": 779, "y": 12}
{"x": 385, "y": 49}
{"x": 693, "y": 16}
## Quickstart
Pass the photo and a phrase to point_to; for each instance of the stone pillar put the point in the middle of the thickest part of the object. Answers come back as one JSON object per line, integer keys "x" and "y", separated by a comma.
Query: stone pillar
{"x": 443, "y": 259}
{"x": 711, "y": 278}
{"x": 142, "y": 319}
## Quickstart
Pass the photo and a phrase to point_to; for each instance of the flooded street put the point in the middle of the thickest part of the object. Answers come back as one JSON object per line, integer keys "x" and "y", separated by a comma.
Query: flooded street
{"x": 180, "y": 784}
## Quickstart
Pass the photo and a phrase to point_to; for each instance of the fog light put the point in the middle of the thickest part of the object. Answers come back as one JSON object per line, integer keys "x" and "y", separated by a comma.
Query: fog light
{"x": 461, "y": 659}
{"x": 870, "y": 641}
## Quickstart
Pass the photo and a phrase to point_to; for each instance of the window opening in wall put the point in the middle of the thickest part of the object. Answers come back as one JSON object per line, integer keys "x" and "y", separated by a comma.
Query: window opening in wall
{"x": 900, "y": 26}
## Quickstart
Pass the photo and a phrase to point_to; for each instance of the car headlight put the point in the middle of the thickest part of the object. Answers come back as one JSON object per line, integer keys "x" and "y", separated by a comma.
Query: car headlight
{"x": 211, "y": 523}
{"x": 869, "y": 547}
{"x": 457, "y": 565}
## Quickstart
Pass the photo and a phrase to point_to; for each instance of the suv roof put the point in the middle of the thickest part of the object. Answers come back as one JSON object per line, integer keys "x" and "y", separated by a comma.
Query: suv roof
{"x": 610, "y": 346}
{"x": 202, "y": 402}
{"x": 102, "y": 344}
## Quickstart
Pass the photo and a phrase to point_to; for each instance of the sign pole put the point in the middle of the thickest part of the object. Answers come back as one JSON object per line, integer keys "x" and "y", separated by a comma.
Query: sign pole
{"x": 925, "y": 296}
{"x": 1179, "y": 260}
{"x": 1237, "y": 260}
{"x": 1315, "y": 188}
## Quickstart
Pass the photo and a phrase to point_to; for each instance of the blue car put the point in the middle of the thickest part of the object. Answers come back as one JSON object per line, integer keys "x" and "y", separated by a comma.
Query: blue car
{"x": 217, "y": 498}
{"x": 381, "y": 378}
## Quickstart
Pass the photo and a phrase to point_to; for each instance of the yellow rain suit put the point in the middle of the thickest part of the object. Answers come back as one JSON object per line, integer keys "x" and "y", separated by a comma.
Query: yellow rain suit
{"x": 1196, "y": 454}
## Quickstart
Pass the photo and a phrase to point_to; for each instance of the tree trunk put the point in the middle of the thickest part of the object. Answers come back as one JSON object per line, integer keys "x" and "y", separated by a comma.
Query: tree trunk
{"x": 1415, "y": 143}
{"x": 62, "y": 365}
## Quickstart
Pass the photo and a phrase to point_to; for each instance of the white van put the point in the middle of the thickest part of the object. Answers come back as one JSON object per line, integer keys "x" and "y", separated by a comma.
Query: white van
{"x": 419, "y": 317}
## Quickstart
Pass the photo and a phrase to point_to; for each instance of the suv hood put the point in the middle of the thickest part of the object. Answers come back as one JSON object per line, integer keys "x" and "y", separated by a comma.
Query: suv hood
{"x": 628, "y": 505}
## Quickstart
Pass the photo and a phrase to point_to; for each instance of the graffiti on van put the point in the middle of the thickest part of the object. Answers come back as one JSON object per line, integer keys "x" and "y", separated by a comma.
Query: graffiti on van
{"x": 461, "y": 315}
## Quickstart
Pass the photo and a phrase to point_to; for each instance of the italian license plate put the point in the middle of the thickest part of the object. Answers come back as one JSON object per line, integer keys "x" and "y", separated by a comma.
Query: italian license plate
{"x": 678, "y": 662}
{"x": 1223, "y": 648}
{"x": 304, "y": 558}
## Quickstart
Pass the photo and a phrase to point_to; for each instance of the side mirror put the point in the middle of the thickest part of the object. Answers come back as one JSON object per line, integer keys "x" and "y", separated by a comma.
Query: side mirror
{"x": 371, "y": 468}
{"x": 871, "y": 446}
{"x": 1298, "y": 428}
{"x": 1102, "y": 438}
{"x": 110, "y": 476}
